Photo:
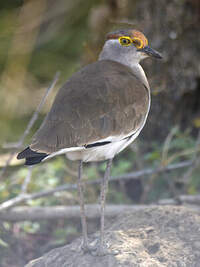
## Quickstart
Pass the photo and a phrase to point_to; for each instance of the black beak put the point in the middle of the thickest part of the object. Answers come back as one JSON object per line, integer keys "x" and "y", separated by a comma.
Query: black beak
{"x": 150, "y": 52}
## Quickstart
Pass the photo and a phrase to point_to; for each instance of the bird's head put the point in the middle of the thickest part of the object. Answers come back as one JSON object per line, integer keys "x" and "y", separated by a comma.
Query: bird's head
{"x": 127, "y": 45}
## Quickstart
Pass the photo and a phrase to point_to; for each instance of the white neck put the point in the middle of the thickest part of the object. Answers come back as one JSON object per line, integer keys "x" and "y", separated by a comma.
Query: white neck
{"x": 139, "y": 72}
{"x": 124, "y": 58}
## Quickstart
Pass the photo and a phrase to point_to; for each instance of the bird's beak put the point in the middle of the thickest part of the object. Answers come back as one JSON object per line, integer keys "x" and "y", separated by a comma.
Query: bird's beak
{"x": 150, "y": 52}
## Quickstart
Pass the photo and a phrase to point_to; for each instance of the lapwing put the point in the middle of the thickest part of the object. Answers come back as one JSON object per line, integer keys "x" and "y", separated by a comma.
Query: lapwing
{"x": 97, "y": 113}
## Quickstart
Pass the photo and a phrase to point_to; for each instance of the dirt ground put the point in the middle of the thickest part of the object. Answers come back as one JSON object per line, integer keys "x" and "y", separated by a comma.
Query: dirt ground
{"x": 152, "y": 237}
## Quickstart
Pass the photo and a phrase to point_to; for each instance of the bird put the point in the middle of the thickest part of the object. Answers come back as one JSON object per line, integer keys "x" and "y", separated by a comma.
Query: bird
{"x": 97, "y": 113}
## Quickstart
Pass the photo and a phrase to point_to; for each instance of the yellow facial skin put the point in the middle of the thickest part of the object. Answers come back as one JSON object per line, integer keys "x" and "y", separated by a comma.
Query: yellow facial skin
{"x": 127, "y": 41}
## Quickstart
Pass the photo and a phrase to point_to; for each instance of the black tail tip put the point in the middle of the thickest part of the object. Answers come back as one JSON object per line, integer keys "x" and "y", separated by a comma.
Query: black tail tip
{"x": 34, "y": 160}
{"x": 32, "y": 157}
{"x": 25, "y": 153}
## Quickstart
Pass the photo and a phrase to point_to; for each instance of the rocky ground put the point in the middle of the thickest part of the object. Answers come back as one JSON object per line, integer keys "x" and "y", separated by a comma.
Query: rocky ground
{"x": 152, "y": 237}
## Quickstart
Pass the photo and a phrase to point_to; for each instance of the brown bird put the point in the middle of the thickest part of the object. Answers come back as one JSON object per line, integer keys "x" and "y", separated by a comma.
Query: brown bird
{"x": 98, "y": 112}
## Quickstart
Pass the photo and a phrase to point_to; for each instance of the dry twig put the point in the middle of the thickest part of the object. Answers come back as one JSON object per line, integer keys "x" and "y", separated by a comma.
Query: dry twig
{"x": 37, "y": 213}
{"x": 30, "y": 124}
{"x": 195, "y": 162}
{"x": 26, "y": 181}
{"x": 132, "y": 175}
{"x": 23, "y": 213}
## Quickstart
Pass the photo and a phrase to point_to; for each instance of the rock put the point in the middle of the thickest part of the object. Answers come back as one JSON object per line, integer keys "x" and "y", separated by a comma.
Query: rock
{"x": 152, "y": 237}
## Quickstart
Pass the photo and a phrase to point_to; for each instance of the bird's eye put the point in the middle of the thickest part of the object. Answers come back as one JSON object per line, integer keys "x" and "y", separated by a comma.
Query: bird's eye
{"x": 138, "y": 43}
{"x": 125, "y": 41}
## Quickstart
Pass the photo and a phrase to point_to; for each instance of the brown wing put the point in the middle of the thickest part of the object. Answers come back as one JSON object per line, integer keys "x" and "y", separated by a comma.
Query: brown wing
{"x": 103, "y": 99}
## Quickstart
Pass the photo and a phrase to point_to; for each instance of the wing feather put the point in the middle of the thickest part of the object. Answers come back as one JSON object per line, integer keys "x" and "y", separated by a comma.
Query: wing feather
{"x": 103, "y": 99}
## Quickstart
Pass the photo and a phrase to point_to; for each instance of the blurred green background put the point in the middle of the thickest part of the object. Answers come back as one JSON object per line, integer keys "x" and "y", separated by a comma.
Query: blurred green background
{"x": 39, "y": 38}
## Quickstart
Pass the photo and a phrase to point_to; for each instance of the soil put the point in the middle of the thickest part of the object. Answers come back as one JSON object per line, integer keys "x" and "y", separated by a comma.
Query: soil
{"x": 152, "y": 237}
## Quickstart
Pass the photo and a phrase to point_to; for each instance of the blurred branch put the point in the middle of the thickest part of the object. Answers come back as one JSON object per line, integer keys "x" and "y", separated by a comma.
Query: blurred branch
{"x": 56, "y": 212}
{"x": 132, "y": 175}
{"x": 147, "y": 187}
{"x": 167, "y": 143}
{"x": 182, "y": 199}
{"x": 186, "y": 152}
{"x": 23, "y": 213}
{"x": 139, "y": 161}
{"x": 26, "y": 180}
{"x": 166, "y": 160}
{"x": 15, "y": 74}
{"x": 58, "y": 10}
{"x": 53, "y": 18}
{"x": 30, "y": 124}
{"x": 195, "y": 160}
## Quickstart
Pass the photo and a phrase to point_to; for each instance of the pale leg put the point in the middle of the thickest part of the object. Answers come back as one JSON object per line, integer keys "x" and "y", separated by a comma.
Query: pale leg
{"x": 104, "y": 187}
{"x": 85, "y": 245}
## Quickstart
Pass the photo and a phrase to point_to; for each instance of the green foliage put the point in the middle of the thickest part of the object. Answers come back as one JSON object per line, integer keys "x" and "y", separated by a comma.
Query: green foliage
{"x": 121, "y": 167}
{"x": 194, "y": 183}
{"x": 92, "y": 172}
{"x": 29, "y": 227}
{"x": 3, "y": 243}
{"x": 117, "y": 196}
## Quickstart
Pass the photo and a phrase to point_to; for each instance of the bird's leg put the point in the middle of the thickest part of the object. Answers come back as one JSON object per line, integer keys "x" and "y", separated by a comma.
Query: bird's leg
{"x": 104, "y": 186}
{"x": 85, "y": 245}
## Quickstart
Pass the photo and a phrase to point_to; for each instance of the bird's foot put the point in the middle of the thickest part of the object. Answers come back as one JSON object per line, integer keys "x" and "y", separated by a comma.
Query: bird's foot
{"x": 97, "y": 248}
{"x": 87, "y": 248}
{"x": 100, "y": 249}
